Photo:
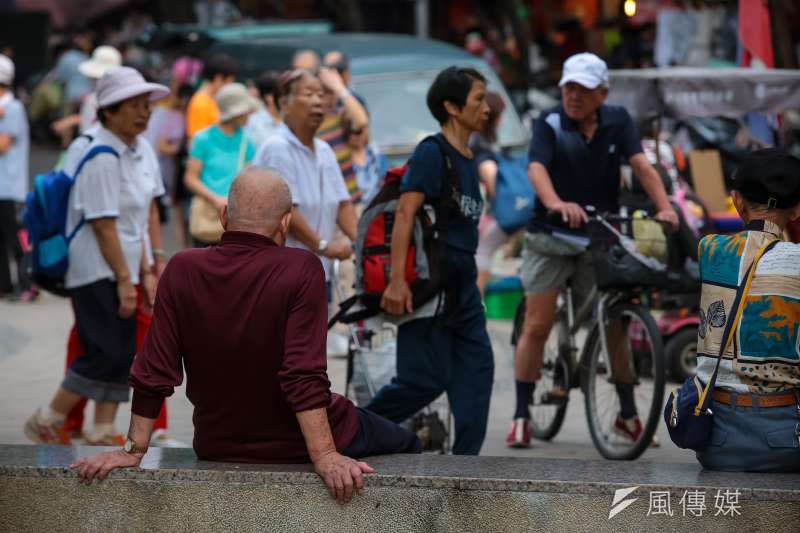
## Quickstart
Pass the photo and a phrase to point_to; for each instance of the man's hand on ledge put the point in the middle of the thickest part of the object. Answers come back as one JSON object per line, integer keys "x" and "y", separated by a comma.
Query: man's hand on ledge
{"x": 342, "y": 475}
{"x": 101, "y": 464}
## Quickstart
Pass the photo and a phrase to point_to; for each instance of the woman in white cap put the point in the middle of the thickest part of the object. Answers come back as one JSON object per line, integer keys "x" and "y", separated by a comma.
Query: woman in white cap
{"x": 110, "y": 255}
{"x": 218, "y": 153}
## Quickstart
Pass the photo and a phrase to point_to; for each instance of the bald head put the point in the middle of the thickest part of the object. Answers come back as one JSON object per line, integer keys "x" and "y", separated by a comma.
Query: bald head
{"x": 306, "y": 60}
{"x": 258, "y": 201}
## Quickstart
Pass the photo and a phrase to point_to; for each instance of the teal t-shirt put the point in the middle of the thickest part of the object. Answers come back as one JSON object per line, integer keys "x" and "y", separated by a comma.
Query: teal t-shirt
{"x": 219, "y": 154}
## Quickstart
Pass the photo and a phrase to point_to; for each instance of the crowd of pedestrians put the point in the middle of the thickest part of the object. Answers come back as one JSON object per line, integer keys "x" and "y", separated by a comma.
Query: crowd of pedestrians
{"x": 262, "y": 180}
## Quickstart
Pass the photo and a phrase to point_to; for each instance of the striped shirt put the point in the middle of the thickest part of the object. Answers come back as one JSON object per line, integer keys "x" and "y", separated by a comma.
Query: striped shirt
{"x": 332, "y": 132}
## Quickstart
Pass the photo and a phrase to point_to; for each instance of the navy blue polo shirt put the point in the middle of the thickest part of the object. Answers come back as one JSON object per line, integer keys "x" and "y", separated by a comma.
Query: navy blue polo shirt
{"x": 426, "y": 169}
{"x": 584, "y": 172}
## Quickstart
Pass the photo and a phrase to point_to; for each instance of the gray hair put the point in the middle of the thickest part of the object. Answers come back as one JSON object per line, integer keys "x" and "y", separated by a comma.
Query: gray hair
{"x": 258, "y": 200}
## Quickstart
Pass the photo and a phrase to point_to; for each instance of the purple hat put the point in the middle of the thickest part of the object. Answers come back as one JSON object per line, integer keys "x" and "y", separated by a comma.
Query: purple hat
{"x": 121, "y": 83}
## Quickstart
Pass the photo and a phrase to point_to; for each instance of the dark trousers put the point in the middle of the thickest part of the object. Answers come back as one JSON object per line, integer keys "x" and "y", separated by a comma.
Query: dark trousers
{"x": 452, "y": 355}
{"x": 11, "y": 248}
{"x": 378, "y": 436}
{"x": 109, "y": 344}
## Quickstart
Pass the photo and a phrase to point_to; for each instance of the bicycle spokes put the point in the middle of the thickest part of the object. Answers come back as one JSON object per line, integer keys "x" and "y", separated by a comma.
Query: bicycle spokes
{"x": 624, "y": 381}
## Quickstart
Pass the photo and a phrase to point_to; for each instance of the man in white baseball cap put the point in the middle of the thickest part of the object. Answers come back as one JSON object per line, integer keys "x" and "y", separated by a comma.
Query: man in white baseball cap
{"x": 109, "y": 257}
{"x": 574, "y": 161}
{"x": 585, "y": 69}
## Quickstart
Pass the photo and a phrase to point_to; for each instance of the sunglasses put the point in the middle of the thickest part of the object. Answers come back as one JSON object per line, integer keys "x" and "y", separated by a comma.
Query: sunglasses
{"x": 357, "y": 132}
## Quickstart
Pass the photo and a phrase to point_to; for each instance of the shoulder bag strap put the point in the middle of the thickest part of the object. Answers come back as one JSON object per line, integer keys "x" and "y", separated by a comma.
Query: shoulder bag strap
{"x": 95, "y": 151}
{"x": 242, "y": 152}
{"x": 733, "y": 322}
{"x": 449, "y": 185}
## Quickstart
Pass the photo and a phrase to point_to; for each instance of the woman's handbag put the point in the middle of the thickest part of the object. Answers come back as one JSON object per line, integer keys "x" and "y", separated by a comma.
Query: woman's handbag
{"x": 204, "y": 222}
{"x": 688, "y": 418}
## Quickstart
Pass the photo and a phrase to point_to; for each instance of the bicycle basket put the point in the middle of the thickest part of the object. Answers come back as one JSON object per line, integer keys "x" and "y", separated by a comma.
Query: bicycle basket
{"x": 617, "y": 264}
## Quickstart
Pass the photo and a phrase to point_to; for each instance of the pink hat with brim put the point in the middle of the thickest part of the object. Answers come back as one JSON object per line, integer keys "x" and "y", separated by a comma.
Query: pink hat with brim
{"x": 121, "y": 83}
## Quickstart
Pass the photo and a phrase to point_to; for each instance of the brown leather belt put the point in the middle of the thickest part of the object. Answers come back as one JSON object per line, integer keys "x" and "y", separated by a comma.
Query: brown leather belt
{"x": 747, "y": 400}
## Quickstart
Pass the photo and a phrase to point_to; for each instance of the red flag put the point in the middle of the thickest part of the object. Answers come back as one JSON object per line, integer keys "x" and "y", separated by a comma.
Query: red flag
{"x": 755, "y": 33}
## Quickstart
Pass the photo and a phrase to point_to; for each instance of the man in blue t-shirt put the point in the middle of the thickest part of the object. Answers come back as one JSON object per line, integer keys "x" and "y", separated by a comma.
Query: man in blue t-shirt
{"x": 454, "y": 354}
{"x": 575, "y": 156}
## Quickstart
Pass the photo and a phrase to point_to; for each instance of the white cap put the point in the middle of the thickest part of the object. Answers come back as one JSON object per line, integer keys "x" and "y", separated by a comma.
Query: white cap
{"x": 121, "y": 83}
{"x": 103, "y": 58}
{"x": 585, "y": 69}
{"x": 234, "y": 100}
{"x": 6, "y": 70}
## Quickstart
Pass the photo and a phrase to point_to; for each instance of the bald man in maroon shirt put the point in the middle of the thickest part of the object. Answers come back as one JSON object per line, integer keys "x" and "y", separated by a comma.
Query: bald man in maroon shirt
{"x": 248, "y": 320}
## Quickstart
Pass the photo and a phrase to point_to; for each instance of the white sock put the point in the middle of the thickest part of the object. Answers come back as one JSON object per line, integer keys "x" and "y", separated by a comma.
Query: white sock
{"x": 101, "y": 430}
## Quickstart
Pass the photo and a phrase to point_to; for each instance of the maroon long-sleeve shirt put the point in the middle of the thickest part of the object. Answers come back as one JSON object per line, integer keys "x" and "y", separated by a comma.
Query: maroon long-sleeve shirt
{"x": 247, "y": 320}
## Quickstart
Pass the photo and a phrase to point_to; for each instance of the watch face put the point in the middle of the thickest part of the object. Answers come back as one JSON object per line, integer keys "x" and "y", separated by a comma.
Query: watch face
{"x": 129, "y": 445}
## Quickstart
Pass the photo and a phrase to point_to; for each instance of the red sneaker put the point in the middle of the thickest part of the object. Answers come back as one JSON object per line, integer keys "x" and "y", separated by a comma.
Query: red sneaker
{"x": 630, "y": 429}
{"x": 519, "y": 435}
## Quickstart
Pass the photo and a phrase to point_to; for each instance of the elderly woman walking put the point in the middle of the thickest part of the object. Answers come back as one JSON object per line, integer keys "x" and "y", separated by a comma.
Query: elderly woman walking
{"x": 109, "y": 256}
{"x": 216, "y": 156}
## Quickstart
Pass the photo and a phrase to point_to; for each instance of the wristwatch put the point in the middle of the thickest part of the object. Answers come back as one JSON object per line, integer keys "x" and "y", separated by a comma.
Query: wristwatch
{"x": 130, "y": 446}
{"x": 323, "y": 244}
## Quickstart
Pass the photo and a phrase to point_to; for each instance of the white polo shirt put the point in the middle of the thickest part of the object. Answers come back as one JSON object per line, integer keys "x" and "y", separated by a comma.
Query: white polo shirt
{"x": 315, "y": 179}
{"x": 77, "y": 147}
{"x": 118, "y": 188}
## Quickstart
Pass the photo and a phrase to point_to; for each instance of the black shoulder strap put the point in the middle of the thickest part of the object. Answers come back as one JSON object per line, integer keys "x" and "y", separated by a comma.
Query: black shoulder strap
{"x": 448, "y": 194}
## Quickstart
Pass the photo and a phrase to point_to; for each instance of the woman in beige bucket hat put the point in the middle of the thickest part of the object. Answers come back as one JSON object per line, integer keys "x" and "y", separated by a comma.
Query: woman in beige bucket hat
{"x": 218, "y": 153}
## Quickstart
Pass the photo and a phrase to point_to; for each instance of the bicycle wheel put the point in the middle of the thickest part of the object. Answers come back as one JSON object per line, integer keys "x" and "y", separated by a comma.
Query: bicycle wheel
{"x": 549, "y": 409}
{"x": 434, "y": 426}
{"x": 638, "y": 336}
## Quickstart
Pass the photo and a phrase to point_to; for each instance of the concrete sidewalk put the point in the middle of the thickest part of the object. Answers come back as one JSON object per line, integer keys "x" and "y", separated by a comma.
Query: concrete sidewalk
{"x": 33, "y": 343}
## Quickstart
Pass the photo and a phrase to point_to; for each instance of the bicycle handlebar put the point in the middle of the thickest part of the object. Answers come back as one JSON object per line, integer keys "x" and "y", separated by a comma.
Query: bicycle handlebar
{"x": 595, "y": 215}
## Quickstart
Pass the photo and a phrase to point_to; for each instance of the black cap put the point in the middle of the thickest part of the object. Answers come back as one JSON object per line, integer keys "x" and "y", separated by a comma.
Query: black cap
{"x": 770, "y": 177}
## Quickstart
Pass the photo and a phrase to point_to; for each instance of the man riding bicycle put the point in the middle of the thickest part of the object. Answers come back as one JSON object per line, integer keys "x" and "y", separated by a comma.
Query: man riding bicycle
{"x": 575, "y": 156}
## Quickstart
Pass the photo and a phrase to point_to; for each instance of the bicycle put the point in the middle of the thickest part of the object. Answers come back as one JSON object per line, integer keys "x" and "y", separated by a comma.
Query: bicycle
{"x": 617, "y": 303}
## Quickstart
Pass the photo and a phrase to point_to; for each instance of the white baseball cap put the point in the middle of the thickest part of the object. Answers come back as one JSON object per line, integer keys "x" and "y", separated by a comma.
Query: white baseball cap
{"x": 234, "y": 100}
{"x": 121, "y": 83}
{"x": 6, "y": 70}
{"x": 103, "y": 58}
{"x": 585, "y": 69}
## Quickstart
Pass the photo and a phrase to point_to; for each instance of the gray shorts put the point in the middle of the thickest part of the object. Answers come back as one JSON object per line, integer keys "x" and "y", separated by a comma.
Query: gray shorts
{"x": 548, "y": 263}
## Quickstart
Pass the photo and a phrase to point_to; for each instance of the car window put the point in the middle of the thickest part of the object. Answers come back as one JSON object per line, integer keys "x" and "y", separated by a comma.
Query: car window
{"x": 399, "y": 115}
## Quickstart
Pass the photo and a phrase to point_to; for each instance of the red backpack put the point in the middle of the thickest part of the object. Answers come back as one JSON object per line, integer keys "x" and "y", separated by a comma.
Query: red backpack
{"x": 426, "y": 264}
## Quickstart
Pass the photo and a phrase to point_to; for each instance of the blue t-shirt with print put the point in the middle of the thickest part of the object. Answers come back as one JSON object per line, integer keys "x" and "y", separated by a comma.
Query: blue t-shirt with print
{"x": 427, "y": 169}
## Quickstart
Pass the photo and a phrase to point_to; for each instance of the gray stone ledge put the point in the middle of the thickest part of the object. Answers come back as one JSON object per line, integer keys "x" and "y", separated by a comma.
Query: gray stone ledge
{"x": 498, "y": 474}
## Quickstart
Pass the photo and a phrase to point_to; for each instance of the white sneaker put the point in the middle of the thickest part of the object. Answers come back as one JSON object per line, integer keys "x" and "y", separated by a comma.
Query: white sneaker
{"x": 337, "y": 344}
{"x": 160, "y": 439}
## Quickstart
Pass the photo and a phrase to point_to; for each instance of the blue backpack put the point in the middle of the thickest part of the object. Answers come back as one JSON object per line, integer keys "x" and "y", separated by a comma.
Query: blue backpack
{"x": 45, "y": 219}
{"x": 512, "y": 207}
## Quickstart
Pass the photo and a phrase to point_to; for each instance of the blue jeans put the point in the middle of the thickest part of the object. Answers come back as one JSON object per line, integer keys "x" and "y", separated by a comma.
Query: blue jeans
{"x": 753, "y": 439}
{"x": 453, "y": 356}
